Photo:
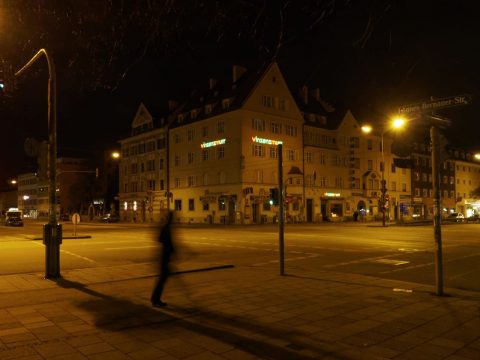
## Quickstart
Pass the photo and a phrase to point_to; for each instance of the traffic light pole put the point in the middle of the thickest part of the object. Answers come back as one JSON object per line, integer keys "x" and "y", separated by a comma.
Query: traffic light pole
{"x": 281, "y": 215}
{"x": 52, "y": 232}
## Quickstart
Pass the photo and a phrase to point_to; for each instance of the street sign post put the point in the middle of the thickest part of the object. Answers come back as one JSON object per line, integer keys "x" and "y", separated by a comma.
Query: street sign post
{"x": 430, "y": 107}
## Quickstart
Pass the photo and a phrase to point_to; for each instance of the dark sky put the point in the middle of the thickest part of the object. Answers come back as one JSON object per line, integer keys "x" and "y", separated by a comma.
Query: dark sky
{"x": 369, "y": 56}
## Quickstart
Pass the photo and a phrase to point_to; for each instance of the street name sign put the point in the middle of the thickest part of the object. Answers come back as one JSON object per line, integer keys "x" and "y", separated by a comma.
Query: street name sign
{"x": 436, "y": 104}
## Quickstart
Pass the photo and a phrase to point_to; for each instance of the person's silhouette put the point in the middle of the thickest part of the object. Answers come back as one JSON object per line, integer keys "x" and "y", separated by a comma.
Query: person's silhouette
{"x": 165, "y": 238}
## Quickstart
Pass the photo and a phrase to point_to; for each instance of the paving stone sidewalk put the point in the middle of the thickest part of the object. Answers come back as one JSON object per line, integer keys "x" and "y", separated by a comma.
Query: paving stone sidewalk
{"x": 232, "y": 313}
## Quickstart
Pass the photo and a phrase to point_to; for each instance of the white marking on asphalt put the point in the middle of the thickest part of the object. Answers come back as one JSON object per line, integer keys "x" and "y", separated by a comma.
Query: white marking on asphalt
{"x": 131, "y": 247}
{"x": 78, "y": 256}
{"x": 392, "y": 262}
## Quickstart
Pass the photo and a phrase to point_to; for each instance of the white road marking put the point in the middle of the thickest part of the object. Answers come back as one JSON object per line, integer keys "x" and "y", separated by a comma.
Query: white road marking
{"x": 131, "y": 247}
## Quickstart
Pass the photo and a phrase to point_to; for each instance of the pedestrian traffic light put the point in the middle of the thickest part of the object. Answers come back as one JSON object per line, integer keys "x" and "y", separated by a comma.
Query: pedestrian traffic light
{"x": 274, "y": 196}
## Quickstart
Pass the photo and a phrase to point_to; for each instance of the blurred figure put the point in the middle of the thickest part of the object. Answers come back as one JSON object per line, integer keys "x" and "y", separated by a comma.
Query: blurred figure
{"x": 165, "y": 239}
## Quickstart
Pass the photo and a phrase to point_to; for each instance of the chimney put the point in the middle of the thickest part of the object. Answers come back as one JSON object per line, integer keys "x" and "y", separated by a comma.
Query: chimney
{"x": 211, "y": 83}
{"x": 304, "y": 92}
{"x": 238, "y": 72}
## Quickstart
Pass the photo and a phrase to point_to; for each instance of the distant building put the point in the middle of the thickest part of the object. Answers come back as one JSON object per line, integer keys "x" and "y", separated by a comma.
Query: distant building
{"x": 467, "y": 182}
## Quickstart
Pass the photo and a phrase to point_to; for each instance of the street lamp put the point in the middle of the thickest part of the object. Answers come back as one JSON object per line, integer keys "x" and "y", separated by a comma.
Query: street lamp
{"x": 52, "y": 232}
{"x": 396, "y": 123}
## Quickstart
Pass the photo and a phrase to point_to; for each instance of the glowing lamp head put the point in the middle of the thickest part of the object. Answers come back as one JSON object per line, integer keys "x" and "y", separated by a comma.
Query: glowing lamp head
{"x": 367, "y": 129}
{"x": 398, "y": 123}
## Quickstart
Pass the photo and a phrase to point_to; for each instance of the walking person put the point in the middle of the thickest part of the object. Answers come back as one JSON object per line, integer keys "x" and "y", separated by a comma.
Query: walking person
{"x": 165, "y": 239}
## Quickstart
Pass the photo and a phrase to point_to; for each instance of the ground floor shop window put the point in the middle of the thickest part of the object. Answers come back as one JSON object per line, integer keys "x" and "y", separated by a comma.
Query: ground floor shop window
{"x": 221, "y": 204}
{"x": 205, "y": 206}
{"x": 191, "y": 204}
{"x": 336, "y": 210}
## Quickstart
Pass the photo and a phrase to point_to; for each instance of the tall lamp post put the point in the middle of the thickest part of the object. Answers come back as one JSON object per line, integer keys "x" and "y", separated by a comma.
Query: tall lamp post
{"x": 52, "y": 232}
{"x": 396, "y": 124}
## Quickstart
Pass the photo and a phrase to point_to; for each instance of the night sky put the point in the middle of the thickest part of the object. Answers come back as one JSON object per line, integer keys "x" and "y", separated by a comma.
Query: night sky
{"x": 368, "y": 56}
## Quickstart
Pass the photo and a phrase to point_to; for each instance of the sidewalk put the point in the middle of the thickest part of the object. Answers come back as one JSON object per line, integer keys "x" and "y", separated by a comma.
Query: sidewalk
{"x": 232, "y": 313}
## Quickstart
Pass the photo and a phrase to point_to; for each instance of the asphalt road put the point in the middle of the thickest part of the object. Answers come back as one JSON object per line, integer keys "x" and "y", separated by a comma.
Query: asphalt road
{"x": 403, "y": 253}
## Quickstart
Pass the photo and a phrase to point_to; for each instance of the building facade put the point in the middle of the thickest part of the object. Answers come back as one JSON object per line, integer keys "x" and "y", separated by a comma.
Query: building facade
{"x": 214, "y": 158}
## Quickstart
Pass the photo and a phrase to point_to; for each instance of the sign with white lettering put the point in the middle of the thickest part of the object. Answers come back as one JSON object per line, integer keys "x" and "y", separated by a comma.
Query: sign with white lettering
{"x": 266, "y": 141}
{"x": 436, "y": 104}
{"x": 213, "y": 143}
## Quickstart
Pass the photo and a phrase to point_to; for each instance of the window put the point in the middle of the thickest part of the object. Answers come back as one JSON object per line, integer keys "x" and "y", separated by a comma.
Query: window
{"x": 208, "y": 109}
{"x": 133, "y": 168}
{"x": 354, "y": 142}
{"x": 205, "y": 154}
{"x": 151, "y": 184}
{"x": 322, "y": 180}
{"x": 225, "y": 104}
{"x": 177, "y": 160}
{"x": 134, "y": 187}
{"x": 178, "y": 205}
{"x": 417, "y": 192}
{"x": 258, "y": 124}
{"x": 291, "y": 155}
{"x": 445, "y": 179}
{"x": 191, "y": 180}
{"x": 339, "y": 182}
{"x": 273, "y": 152}
{"x": 150, "y": 165}
{"x": 308, "y": 157}
{"x": 424, "y": 177}
{"x": 162, "y": 185}
{"x": 276, "y": 128}
{"x": 393, "y": 186}
{"x": 291, "y": 130}
{"x": 369, "y": 144}
{"x": 161, "y": 164}
{"x": 370, "y": 164}
{"x": 322, "y": 159}
{"x": 258, "y": 150}
{"x": 394, "y": 168}
{"x": 267, "y": 101}
{"x": 404, "y": 187}
{"x": 205, "y": 206}
{"x": 452, "y": 180}
{"x": 221, "y": 204}
{"x": 193, "y": 114}
{"x": 191, "y": 204}
{"x": 259, "y": 176}
{"x": 204, "y": 131}
{"x": 220, "y": 127}
{"x": 190, "y": 134}
{"x": 190, "y": 157}
{"x": 220, "y": 152}
{"x": 161, "y": 144}
{"x": 417, "y": 176}
{"x": 176, "y": 138}
{"x": 177, "y": 182}
{"x": 205, "y": 179}
{"x": 425, "y": 193}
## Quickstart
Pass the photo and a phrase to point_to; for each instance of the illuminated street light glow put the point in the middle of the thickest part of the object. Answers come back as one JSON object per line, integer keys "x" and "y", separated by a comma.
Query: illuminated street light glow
{"x": 477, "y": 156}
{"x": 367, "y": 129}
{"x": 115, "y": 154}
{"x": 398, "y": 123}
{"x": 13, "y": 182}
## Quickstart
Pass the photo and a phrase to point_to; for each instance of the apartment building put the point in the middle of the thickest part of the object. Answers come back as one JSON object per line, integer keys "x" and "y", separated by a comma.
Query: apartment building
{"x": 214, "y": 158}
{"x": 467, "y": 182}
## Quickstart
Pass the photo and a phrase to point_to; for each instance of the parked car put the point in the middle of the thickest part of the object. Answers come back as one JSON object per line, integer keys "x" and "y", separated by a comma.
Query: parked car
{"x": 110, "y": 218}
{"x": 456, "y": 217}
{"x": 475, "y": 218}
{"x": 13, "y": 221}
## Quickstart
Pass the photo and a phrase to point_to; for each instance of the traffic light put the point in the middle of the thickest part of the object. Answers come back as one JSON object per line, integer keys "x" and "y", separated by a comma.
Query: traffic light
{"x": 274, "y": 196}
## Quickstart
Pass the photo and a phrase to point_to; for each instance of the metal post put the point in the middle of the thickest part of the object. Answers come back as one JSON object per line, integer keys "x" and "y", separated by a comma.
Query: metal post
{"x": 383, "y": 189}
{"x": 281, "y": 215}
{"x": 52, "y": 231}
{"x": 437, "y": 210}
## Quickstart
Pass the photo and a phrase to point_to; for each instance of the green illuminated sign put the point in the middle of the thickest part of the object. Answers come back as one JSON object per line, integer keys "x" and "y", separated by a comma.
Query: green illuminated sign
{"x": 212, "y": 143}
{"x": 266, "y": 141}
